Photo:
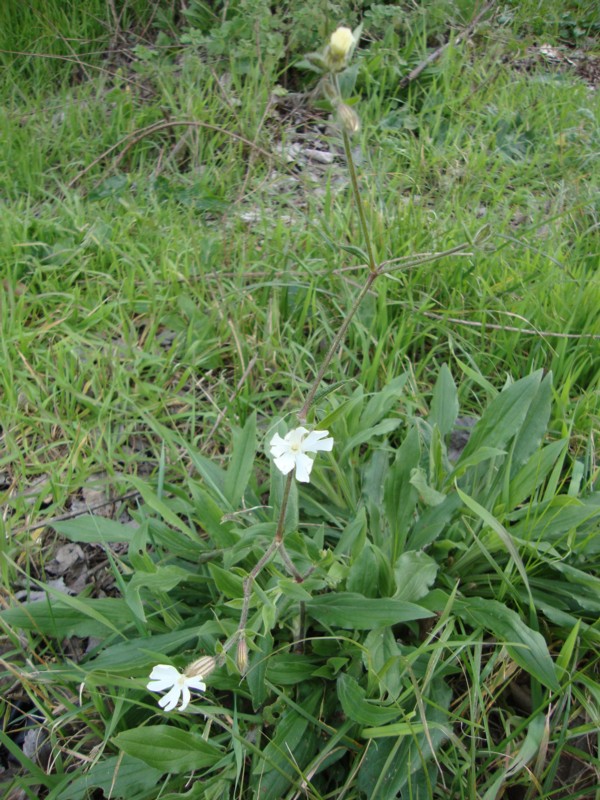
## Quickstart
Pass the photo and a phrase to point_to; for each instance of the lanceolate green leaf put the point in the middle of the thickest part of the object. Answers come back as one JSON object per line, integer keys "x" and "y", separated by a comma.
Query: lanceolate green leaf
{"x": 116, "y": 776}
{"x": 90, "y": 528}
{"x": 526, "y": 646}
{"x": 242, "y": 462}
{"x": 354, "y": 611}
{"x": 504, "y": 416}
{"x": 534, "y": 425}
{"x": 400, "y": 497}
{"x": 444, "y": 404}
{"x": 59, "y": 618}
{"x": 169, "y": 749}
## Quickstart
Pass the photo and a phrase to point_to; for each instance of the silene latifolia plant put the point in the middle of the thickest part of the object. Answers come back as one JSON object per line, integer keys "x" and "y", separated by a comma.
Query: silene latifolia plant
{"x": 344, "y": 604}
{"x": 294, "y": 453}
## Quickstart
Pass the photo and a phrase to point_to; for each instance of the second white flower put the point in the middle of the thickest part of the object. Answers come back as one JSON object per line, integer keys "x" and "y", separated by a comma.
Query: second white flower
{"x": 291, "y": 451}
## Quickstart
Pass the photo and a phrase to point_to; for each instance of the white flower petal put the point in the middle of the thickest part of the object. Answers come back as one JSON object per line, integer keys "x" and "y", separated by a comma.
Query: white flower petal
{"x": 164, "y": 672}
{"x": 161, "y": 677}
{"x": 285, "y": 463}
{"x": 295, "y": 436}
{"x": 196, "y": 682}
{"x": 169, "y": 701}
{"x": 278, "y": 446}
{"x": 159, "y": 686}
{"x": 313, "y": 443}
{"x": 303, "y": 467}
{"x": 185, "y": 697}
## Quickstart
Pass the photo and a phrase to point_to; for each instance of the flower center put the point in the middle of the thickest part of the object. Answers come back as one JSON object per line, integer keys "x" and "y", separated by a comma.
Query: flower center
{"x": 295, "y": 448}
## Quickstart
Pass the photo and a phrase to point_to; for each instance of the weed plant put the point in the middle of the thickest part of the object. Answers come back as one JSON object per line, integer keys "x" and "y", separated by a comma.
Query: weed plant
{"x": 181, "y": 307}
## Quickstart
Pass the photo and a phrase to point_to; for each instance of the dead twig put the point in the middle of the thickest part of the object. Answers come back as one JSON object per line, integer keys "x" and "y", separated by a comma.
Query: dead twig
{"x": 510, "y": 328}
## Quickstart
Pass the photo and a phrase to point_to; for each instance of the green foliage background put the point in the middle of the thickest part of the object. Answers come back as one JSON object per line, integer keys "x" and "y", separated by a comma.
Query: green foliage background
{"x": 164, "y": 307}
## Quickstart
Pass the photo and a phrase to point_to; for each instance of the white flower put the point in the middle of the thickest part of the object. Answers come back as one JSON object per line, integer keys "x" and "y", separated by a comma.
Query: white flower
{"x": 291, "y": 451}
{"x": 164, "y": 677}
{"x": 342, "y": 40}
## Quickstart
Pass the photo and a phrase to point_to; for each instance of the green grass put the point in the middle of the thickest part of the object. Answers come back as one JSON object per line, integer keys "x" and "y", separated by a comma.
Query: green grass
{"x": 144, "y": 318}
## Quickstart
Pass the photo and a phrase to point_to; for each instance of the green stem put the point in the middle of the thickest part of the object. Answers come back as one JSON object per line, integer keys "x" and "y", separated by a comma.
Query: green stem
{"x": 359, "y": 205}
{"x": 261, "y": 564}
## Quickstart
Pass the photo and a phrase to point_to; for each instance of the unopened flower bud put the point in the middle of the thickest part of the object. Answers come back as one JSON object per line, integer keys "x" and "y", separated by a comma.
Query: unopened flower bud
{"x": 348, "y": 118}
{"x": 241, "y": 656}
{"x": 340, "y": 43}
{"x": 201, "y": 668}
{"x": 339, "y": 49}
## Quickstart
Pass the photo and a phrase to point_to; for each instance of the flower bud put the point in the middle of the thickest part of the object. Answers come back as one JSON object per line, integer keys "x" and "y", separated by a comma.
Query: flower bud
{"x": 201, "y": 668}
{"x": 339, "y": 49}
{"x": 340, "y": 43}
{"x": 348, "y": 118}
{"x": 241, "y": 656}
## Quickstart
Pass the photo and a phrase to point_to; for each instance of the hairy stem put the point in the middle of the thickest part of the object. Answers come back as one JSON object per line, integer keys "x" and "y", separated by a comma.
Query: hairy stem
{"x": 359, "y": 205}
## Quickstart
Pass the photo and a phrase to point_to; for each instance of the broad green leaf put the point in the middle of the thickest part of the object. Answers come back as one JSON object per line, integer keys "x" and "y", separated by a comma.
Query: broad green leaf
{"x": 139, "y": 653}
{"x": 534, "y": 425}
{"x": 560, "y": 516}
{"x": 356, "y": 612}
{"x": 478, "y": 457}
{"x": 117, "y": 777}
{"x": 163, "y": 579}
{"x": 257, "y": 670}
{"x": 433, "y": 521}
{"x": 400, "y": 497}
{"x": 212, "y": 474}
{"x": 59, "y": 619}
{"x": 383, "y": 657}
{"x": 534, "y": 472}
{"x": 276, "y": 498}
{"x": 415, "y": 572}
{"x": 363, "y": 576}
{"x": 354, "y": 534}
{"x": 286, "y": 669}
{"x": 242, "y": 462}
{"x": 399, "y": 751}
{"x": 174, "y": 542}
{"x": 528, "y": 750}
{"x": 294, "y": 741}
{"x": 353, "y": 700}
{"x": 563, "y": 659}
{"x": 427, "y": 494}
{"x": 90, "y": 528}
{"x": 444, "y": 403}
{"x": 227, "y": 582}
{"x": 168, "y": 749}
{"x": 504, "y": 416}
{"x": 382, "y": 402}
{"x": 381, "y": 429}
{"x": 525, "y": 646}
